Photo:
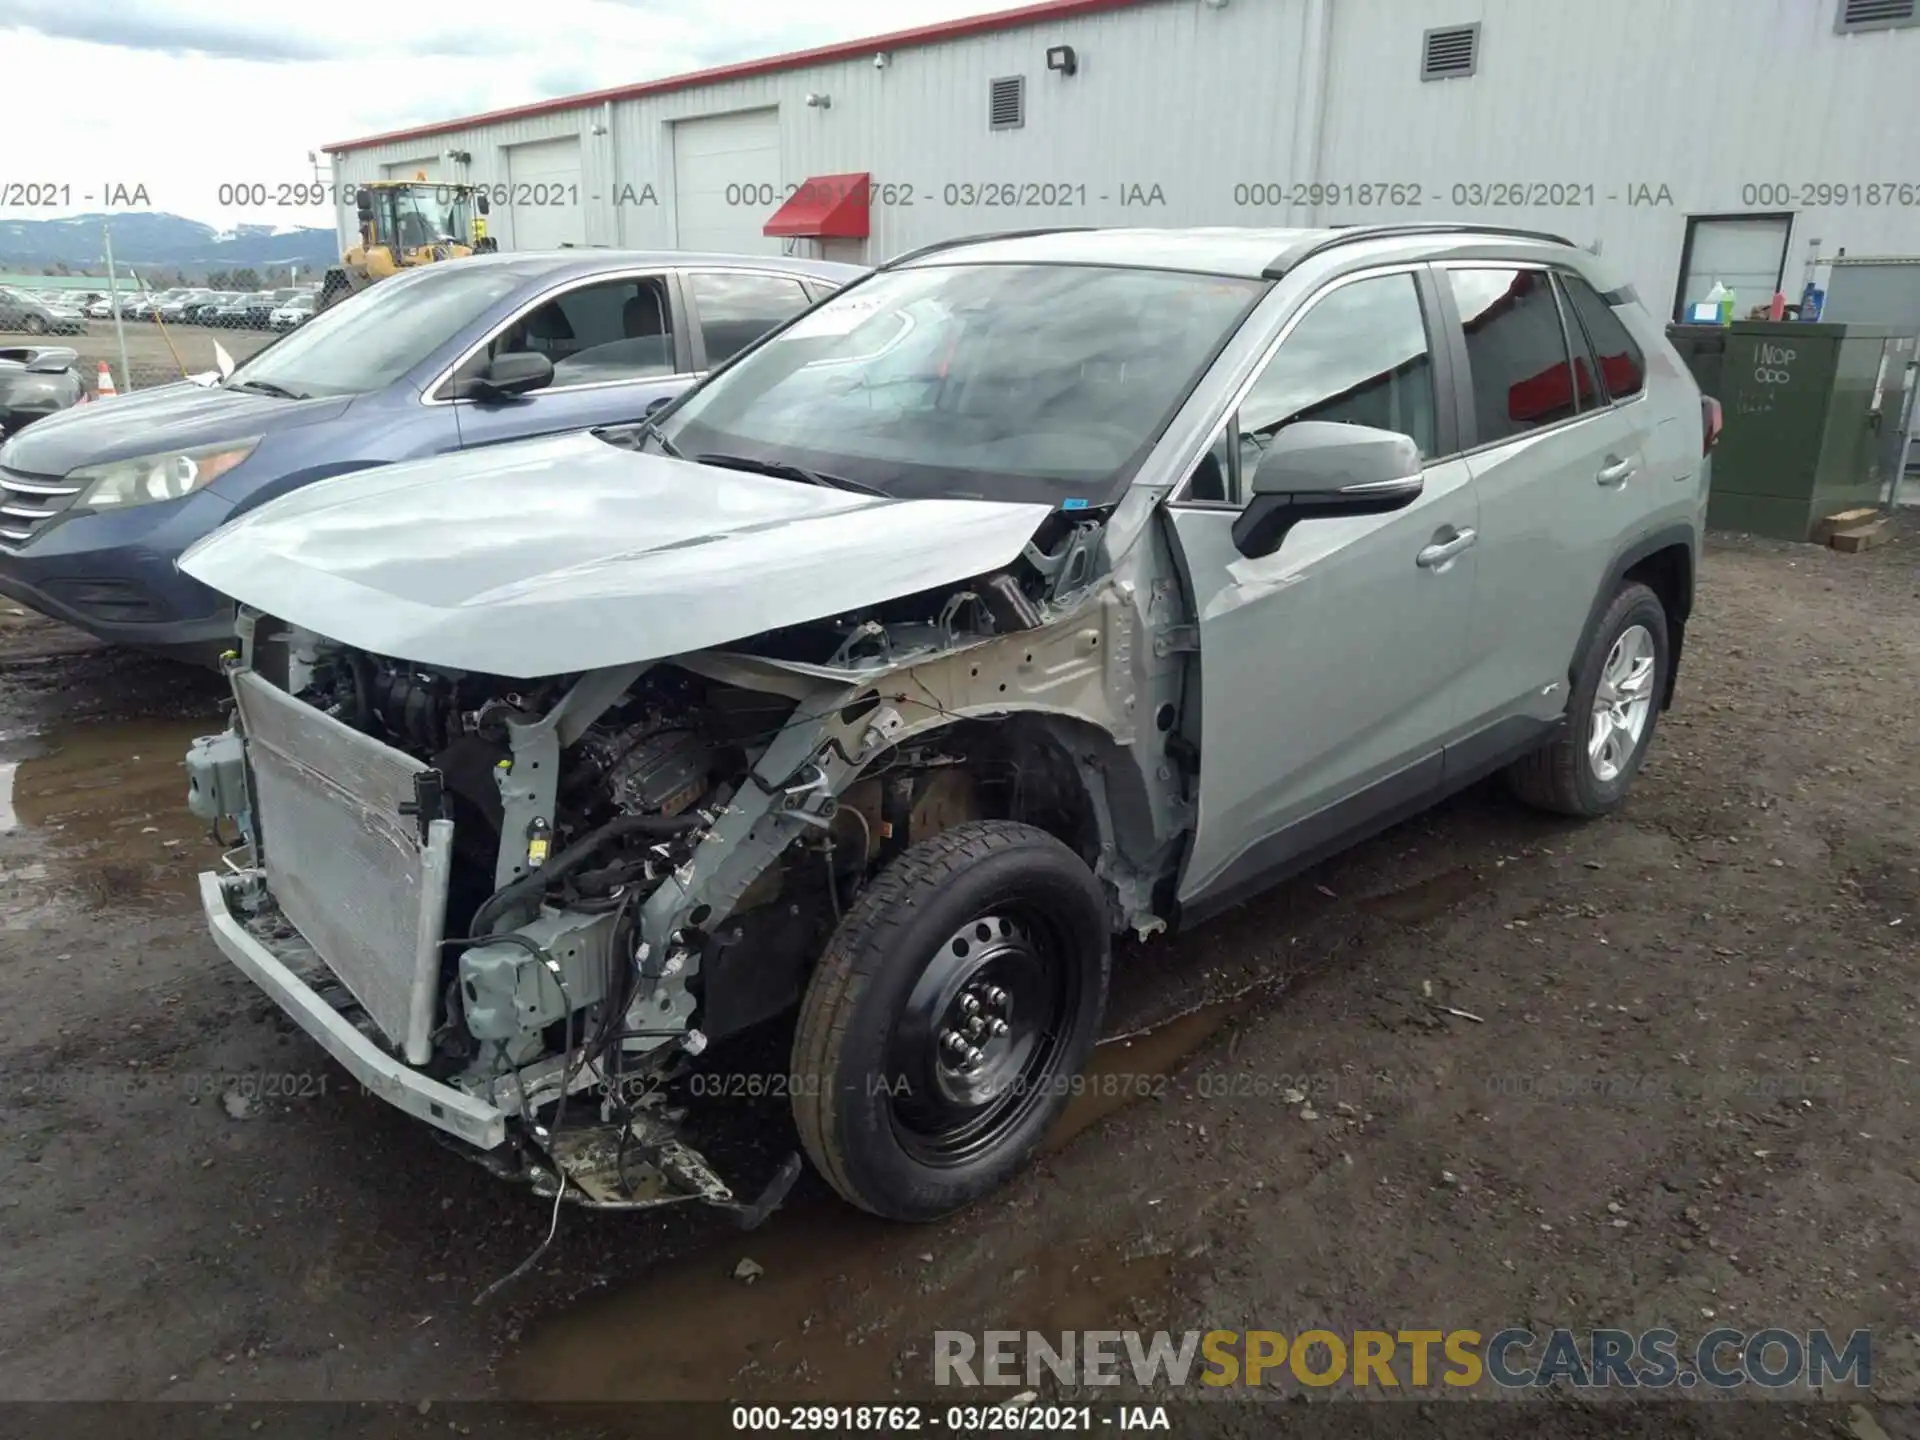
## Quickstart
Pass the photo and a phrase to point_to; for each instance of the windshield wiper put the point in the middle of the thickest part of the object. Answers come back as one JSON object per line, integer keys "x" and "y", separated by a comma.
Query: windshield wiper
{"x": 651, "y": 428}
{"x": 266, "y": 387}
{"x": 786, "y": 471}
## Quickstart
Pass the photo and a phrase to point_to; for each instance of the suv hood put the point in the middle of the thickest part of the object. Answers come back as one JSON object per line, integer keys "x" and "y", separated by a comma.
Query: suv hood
{"x": 169, "y": 417}
{"x": 554, "y": 556}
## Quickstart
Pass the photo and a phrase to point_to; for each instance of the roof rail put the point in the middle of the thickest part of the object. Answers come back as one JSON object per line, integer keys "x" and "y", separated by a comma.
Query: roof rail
{"x": 1289, "y": 259}
{"x": 959, "y": 240}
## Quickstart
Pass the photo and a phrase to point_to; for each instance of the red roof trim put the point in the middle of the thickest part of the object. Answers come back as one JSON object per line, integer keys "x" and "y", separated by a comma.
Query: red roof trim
{"x": 826, "y": 207}
{"x": 794, "y": 60}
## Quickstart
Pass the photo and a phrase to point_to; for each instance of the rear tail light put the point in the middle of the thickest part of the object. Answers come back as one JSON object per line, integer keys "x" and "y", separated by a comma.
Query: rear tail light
{"x": 1710, "y": 416}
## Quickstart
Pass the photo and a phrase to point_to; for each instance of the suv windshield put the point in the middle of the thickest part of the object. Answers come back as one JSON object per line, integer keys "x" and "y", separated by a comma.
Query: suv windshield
{"x": 1008, "y": 382}
{"x": 370, "y": 340}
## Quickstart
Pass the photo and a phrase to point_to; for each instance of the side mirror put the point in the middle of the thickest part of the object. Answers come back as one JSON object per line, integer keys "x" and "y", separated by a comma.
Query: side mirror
{"x": 53, "y": 361}
{"x": 1319, "y": 469}
{"x": 515, "y": 373}
{"x": 480, "y": 204}
{"x": 363, "y": 205}
{"x": 656, "y": 405}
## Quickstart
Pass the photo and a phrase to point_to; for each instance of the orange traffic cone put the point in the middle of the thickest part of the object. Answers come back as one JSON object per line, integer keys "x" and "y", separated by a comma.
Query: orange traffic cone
{"x": 105, "y": 388}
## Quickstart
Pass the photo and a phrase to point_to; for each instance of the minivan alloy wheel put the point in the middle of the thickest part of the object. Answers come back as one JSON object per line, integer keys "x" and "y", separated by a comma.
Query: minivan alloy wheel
{"x": 1621, "y": 702}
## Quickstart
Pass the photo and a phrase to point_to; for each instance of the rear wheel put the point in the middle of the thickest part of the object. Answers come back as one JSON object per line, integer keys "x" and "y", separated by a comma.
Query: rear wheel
{"x": 34, "y": 325}
{"x": 943, "y": 1026}
{"x": 1610, "y": 719}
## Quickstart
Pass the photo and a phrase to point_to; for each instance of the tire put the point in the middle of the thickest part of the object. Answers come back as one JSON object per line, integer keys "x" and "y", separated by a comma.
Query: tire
{"x": 34, "y": 325}
{"x": 985, "y": 909}
{"x": 1568, "y": 777}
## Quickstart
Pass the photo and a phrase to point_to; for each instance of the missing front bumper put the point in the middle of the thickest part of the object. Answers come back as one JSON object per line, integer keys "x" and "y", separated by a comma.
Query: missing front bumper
{"x": 607, "y": 1166}
{"x": 393, "y": 1080}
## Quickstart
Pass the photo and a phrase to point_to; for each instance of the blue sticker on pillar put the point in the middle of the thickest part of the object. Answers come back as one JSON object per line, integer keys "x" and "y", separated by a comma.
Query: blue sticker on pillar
{"x": 1073, "y": 504}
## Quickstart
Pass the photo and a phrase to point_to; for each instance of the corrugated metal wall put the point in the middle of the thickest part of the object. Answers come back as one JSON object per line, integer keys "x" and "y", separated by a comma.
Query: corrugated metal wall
{"x": 1704, "y": 97}
{"x": 1611, "y": 103}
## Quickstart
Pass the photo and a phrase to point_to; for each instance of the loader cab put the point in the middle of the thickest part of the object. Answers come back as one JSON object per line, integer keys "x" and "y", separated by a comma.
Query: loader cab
{"x": 411, "y": 220}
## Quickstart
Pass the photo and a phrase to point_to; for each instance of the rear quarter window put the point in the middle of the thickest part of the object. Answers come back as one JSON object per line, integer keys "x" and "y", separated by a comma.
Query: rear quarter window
{"x": 1623, "y": 368}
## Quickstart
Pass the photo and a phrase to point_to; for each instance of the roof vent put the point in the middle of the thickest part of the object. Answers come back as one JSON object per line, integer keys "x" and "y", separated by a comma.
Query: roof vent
{"x": 1452, "y": 53}
{"x": 1007, "y": 103}
{"x": 1874, "y": 15}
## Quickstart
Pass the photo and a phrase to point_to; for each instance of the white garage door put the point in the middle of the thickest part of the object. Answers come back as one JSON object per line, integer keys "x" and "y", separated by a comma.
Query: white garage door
{"x": 544, "y": 195}
{"x": 726, "y": 181}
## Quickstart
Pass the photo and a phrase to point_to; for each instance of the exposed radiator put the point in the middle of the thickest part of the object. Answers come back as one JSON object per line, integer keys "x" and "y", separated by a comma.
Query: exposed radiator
{"x": 348, "y": 869}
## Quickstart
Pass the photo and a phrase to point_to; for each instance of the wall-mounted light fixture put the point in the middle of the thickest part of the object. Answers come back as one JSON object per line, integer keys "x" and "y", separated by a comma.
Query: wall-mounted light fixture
{"x": 819, "y": 101}
{"x": 881, "y": 60}
{"x": 458, "y": 157}
{"x": 1063, "y": 59}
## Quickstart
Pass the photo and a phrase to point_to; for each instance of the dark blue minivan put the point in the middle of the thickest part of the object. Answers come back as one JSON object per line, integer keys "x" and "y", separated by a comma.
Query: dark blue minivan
{"x": 96, "y": 503}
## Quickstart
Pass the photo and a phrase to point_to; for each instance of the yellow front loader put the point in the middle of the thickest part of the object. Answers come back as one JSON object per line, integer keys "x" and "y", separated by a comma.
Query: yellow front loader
{"x": 404, "y": 224}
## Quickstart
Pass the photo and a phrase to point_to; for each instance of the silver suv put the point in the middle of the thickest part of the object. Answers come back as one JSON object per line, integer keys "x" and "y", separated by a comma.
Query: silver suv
{"x": 1035, "y": 589}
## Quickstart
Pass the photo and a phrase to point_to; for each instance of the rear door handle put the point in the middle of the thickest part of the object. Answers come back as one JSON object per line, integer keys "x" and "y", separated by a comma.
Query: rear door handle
{"x": 1434, "y": 556}
{"x": 1616, "y": 473}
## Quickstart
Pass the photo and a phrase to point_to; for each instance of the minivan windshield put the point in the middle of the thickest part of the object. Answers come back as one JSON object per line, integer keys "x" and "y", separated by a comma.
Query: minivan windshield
{"x": 367, "y": 341}
{"x": 1044, "y": 383}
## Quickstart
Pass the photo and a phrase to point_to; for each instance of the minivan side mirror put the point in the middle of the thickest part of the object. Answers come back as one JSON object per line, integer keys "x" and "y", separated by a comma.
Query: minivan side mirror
{"x": 515, "y": 373}
{"x": 1319, "y": 469}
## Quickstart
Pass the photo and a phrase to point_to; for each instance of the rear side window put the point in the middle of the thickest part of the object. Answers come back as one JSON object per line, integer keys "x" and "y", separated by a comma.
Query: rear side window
{"x": 1592, "y": 397}
{"x": 1623, "y": 368}
{"x": 1516, "y": 350}
{"x": 736, "y": 310}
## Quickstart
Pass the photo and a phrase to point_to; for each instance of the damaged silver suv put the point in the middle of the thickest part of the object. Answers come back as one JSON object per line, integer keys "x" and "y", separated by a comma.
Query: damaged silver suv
{"x": 1036, "y": 589}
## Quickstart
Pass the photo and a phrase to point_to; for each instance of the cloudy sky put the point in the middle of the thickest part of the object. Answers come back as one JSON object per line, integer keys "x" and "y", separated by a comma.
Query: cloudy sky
{"x": 182, "y": 95}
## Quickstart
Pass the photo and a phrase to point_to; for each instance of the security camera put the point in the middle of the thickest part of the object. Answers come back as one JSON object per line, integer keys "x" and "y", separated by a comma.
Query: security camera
{"x": 881, "y": 60}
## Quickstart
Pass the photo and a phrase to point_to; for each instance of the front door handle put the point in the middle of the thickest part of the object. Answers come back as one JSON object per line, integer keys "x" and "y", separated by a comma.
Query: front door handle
{"x": 1615, "y": 473}
{"x": 1434, "y": 556}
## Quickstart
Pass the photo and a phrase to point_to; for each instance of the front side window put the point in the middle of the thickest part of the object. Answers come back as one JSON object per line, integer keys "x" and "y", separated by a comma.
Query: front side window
{"x": 369, "y": 340}
{"x": 1359, "y": 356}
{"x": 1516, "y": 350}
{"x": 736, "y": 310}
{"x": 1045, "y": 383}
{"x": 611, "y": 330}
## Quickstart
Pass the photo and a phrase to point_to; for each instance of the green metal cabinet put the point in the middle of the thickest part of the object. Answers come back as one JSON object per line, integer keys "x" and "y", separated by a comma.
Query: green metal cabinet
{"x": 1704, "y": 348}
{"x": 1803, "y": 406}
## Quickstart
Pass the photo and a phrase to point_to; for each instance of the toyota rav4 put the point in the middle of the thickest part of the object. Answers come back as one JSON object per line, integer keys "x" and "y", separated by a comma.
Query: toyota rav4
{"x": 1034, "y": 590}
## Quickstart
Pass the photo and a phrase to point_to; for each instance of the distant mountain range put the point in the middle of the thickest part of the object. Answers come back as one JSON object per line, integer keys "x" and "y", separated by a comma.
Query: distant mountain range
{"x": 152, "y": 238}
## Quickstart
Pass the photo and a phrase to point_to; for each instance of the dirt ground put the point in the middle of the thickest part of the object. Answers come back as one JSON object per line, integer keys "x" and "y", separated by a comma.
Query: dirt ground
{"x": 156, "y": 355}
{"x": 1685, "y": 1095}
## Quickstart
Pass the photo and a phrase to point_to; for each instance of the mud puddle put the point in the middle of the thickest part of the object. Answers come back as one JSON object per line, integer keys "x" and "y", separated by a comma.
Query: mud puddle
{"x": 842, "y": 1306}
{"x": 95, "y": 815}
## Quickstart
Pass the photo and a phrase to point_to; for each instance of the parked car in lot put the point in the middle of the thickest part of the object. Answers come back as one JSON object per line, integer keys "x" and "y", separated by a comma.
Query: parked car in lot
{"x": 200, "y": 311}
{"x": 1030, "y": 591}
{"x": 174, "y": 309}
{"x": 140, "y": 305}
{"x": 262, "y": 303}
{"x": 102, "y": 308}
{"x": 296, "y": 311}
{"x": 30, "y": 314}
{"x": 35, "y": 382}
{"x": 234, "y": 313}
{"x": 94, "y": 507}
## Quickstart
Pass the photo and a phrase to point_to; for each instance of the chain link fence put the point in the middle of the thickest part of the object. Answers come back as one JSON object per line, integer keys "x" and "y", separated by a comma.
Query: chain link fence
{"x": 132, "y": 335}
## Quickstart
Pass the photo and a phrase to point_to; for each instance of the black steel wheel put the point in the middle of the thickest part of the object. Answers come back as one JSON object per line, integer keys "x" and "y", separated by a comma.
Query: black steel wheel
{"x": 944, "y": 1025}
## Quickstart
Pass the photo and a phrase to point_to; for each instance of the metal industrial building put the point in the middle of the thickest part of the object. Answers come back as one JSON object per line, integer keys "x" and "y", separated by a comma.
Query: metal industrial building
{"x": 1691, "y": 140}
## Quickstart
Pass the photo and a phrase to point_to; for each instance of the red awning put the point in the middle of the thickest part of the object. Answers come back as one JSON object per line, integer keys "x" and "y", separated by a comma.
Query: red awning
{"x": 831, "y": 207}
